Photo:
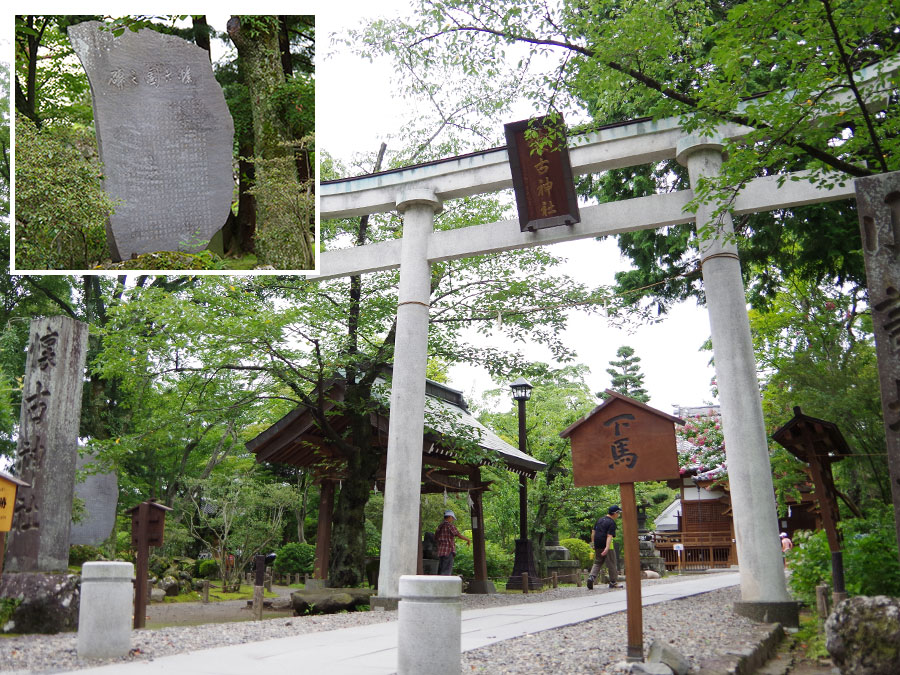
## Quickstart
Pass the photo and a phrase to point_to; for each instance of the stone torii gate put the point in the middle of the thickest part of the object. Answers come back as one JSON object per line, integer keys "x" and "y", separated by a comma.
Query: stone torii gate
{"x": 418, "y": 192}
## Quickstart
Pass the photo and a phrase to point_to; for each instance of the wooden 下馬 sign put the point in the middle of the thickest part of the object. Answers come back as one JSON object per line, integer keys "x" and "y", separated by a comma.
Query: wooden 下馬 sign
{"x": 541, "y": 173}
{"x": 623, "y": 441}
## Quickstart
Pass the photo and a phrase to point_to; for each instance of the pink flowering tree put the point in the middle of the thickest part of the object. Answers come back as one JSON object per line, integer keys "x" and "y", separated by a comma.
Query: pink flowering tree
{"x": 701, "y": 447}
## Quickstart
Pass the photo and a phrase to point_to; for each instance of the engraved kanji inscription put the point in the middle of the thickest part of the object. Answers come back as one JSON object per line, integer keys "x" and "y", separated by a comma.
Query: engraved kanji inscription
{"x": 27, "y": 512}
{"x": 45, "y": 346}
{"x": 890, "y": 307}
{"x": 36, "y": 404}
{"x": 620, "y": 449}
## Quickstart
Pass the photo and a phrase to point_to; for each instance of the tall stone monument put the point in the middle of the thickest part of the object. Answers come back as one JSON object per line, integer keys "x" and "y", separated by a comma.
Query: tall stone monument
{"x": 100, "y": 494}
{"x": 165, "y": 138}
{"x": 878, "y": 203}
{"x": 48, "y": 445}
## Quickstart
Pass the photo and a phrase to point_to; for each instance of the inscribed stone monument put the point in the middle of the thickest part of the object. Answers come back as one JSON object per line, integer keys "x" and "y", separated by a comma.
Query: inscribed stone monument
{"x": 165, "y": 138}
{"x": 878, "y": 204}
{"x": 100, "y": 493}
{"x": 48, "y": 445}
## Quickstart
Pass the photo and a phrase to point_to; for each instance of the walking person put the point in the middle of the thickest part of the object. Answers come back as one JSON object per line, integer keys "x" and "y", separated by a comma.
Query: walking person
{"x": 604, "y": 553}
{"x": 446, "y": 536}
{"x": 786, "y": 545}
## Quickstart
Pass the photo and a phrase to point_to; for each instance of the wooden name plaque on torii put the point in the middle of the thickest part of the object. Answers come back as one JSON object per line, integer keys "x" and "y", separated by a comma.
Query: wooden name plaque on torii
{"x": 625, "y": 441}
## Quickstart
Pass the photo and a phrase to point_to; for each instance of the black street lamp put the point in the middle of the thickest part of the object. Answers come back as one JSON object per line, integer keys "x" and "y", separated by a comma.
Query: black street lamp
{"x": 524, "y": 560}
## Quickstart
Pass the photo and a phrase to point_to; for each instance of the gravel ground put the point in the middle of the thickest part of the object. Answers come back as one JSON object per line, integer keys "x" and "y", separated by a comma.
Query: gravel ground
{"x": 700, "y": 627}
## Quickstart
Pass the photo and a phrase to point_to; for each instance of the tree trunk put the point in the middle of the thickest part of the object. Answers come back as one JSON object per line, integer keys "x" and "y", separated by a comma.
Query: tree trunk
{"x": 348, "y": 535}
{"x": 201, "y": 33}
{"x": 259, "y": 61}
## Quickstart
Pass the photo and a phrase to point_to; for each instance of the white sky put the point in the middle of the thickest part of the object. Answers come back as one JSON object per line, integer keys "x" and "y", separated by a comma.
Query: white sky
{"x": 356, "y": 111}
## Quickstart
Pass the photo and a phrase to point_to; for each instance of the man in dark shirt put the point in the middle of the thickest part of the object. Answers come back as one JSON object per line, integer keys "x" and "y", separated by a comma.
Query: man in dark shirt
{"x": 604, "y": 553}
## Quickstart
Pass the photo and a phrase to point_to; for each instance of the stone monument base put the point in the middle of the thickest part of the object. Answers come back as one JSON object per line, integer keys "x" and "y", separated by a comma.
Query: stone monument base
{"x": 48, "y": 603}
{"x": 785, "y": 613}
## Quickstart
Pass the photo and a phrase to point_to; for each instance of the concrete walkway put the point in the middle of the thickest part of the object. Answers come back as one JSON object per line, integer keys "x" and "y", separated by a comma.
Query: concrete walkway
{"x": 373, "y": 649}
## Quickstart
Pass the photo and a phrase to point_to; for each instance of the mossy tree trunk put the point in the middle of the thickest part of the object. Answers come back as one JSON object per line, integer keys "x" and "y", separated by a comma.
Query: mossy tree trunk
{"x": 259, "y": 62}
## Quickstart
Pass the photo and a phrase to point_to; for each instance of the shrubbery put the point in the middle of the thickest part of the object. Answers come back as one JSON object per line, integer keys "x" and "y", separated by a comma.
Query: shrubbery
{"x": 499, "y": 561}
{"x": 295, "y": 558}
{"x": 581, "y": 551}
{"x": 82, "y": 553}
{"x": 61, "y": 208}
{"x": 206, "y": 569}
{"x": 870, "y": 559}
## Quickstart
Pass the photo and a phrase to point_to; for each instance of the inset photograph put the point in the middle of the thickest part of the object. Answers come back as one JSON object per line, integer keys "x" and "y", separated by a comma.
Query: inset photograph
{"x": 177, "y": 142}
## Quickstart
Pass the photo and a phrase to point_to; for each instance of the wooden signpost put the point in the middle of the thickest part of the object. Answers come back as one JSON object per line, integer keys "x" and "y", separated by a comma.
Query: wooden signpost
{"x": 148, "y": 522}
{"x": 625, "y": 441}
{"x": 8, "y": 487}
{"x": 820, "y": 443}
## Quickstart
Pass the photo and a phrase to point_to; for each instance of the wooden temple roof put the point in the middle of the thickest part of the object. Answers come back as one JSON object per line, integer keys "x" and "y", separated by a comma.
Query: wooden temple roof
{"x": 297, "y": 440}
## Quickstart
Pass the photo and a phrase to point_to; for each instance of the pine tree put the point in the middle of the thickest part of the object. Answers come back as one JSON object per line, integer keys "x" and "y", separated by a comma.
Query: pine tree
{"x": 626, "y": 374}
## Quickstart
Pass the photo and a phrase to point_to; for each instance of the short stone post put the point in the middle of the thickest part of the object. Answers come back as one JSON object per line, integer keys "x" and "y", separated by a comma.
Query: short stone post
{"x": 205, "y": 591}
{"x": 524, "y": 582}
{"x": 822, "y": 601}
{"x": 555, "y": 578}
{"x": 430, "y": 625}
{"x": 104, "y": 614}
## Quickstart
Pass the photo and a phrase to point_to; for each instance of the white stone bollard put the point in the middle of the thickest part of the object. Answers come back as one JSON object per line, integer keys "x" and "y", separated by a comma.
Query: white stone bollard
{"x": 104, "y": 615}
{"x": 429, "y": 634}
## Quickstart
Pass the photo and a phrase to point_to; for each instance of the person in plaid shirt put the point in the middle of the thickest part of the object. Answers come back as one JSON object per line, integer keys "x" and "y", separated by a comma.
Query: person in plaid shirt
{"x": 446, "y": 536}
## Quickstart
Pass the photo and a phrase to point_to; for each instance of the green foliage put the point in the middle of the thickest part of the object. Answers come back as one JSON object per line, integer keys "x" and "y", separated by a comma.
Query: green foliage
{"x": 782, "y": 69}
{"x": 236, "y": 512}
{"x": 82, "y": 553}
{"x": 168, "y": 260}
{"x": 61, "y": 208}
{"x": 580, "y": 550}
{"x": 7, "y": 607}
{"x": 817, "y": 340}
{"x": 373, "y": 539}
{"x": 206, "y": 569}
{"x": 499, "y": 561}
{"x": 295, "y": 558}
{"x": 870, "y": 558}
{"x": 811, "y": 637}
{"x": 296, "y": 102}
{"x": 810, "y": 565}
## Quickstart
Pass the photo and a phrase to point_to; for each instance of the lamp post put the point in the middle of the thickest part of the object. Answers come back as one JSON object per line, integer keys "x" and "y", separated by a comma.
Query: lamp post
{"x": 524, "y": 560}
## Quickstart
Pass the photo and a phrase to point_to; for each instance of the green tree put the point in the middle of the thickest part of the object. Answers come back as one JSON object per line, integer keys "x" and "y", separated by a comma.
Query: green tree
{"x": 235, "y": 513}
{"x": 815, "y": 342}
{"x": 626, "y": 375}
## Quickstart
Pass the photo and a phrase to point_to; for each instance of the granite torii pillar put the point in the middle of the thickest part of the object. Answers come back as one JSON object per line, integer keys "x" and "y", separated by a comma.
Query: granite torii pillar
{"x": 403, "y": 477}
{"x": 764, "y": 594}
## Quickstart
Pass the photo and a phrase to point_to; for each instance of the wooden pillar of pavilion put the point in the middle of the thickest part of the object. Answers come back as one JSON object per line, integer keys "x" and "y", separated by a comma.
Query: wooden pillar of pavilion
{"x": 323, "y": 532}
{"x": 480, "y": 584}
